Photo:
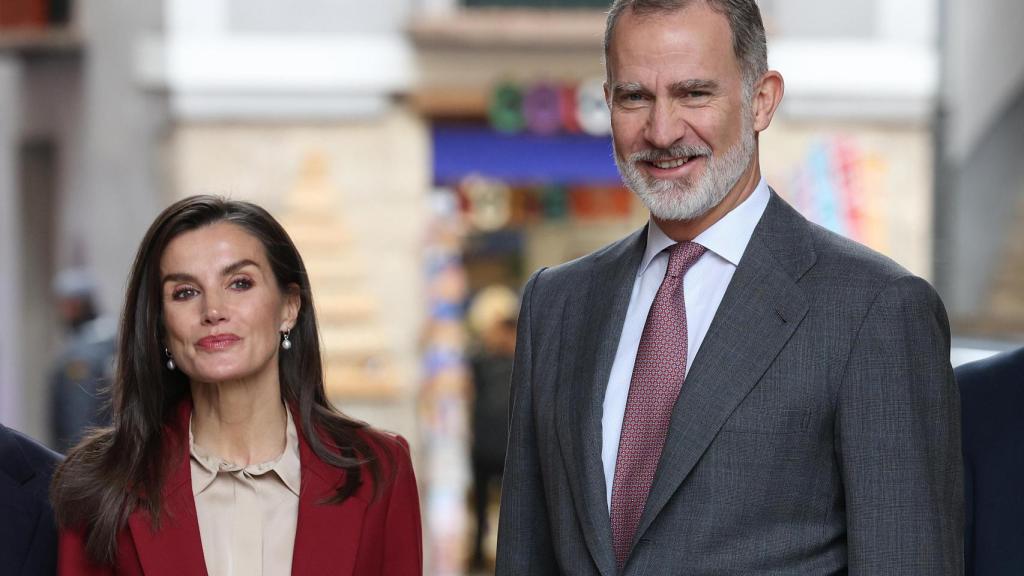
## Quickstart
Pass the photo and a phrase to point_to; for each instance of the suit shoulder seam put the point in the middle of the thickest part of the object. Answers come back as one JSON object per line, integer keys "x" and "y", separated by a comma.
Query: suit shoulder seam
{"x": 882, "y": 289}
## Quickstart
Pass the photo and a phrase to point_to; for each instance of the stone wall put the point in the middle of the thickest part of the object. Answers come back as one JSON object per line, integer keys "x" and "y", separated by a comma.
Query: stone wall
{"x": 375, "y": 176}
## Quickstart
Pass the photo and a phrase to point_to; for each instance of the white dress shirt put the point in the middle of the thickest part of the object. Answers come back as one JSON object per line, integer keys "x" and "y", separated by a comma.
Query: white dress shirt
{"x": 704, "y": 285}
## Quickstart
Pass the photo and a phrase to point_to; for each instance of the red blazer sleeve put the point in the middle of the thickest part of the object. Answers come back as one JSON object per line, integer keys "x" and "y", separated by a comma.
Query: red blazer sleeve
{"x": 72, "y": 559}
{"x": 404, "y": 543}
{"x": 391, "y": 543}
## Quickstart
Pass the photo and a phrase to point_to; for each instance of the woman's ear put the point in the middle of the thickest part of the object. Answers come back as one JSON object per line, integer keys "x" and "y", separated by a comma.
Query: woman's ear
{"x": 292, "y": 305}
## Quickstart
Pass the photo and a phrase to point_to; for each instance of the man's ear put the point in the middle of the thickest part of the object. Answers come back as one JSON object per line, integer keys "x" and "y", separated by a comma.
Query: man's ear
{"x": 767, "y": 95}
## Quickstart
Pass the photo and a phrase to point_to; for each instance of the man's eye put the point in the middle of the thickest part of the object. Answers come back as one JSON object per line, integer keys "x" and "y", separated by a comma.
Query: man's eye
{"x": 183, "y": 293}
{"x": 632, "y": 99}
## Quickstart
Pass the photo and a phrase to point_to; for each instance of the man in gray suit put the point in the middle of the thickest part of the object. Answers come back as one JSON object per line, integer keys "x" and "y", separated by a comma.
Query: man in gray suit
{"x": 730, "y": 390}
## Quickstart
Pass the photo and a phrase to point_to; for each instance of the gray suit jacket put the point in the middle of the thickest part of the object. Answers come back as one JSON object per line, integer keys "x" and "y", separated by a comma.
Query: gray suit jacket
{"x": 818, "y": 431}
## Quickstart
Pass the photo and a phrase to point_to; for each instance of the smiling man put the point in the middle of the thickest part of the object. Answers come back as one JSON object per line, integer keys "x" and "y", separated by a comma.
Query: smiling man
{"x": 730, "y": 390}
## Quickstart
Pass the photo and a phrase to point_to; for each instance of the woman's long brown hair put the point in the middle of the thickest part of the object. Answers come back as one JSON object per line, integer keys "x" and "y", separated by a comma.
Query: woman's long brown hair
{"x": 116, "y": 470}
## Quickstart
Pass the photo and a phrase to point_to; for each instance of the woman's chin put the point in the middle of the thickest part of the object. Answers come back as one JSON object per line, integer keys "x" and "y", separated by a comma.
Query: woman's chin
{"x": 220, "y": 376}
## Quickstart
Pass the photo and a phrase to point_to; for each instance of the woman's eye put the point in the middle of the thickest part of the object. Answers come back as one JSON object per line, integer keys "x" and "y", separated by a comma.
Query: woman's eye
{"x": 241, "y": 284}
{"x": 183, "y": 293}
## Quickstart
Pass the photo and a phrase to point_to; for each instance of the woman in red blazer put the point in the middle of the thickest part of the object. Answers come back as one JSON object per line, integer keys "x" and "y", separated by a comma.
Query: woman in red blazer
{"x": 219, "y": 361}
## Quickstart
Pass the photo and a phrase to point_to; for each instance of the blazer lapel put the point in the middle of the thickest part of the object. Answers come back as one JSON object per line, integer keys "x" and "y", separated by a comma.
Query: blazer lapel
{"x": 761, "y": 309}
{"x": 327, "y": 535}
{"x": 592, "y": 325}
{"x": 176, "y": 547}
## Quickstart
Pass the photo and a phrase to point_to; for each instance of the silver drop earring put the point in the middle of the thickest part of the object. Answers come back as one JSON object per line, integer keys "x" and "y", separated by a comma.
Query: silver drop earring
{"x": 286, "y": 343}
{"x": 170, "y": 361}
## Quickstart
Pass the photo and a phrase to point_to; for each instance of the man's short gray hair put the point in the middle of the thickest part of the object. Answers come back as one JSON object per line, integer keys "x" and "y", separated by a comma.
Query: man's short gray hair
{"x": 748, "y": 38}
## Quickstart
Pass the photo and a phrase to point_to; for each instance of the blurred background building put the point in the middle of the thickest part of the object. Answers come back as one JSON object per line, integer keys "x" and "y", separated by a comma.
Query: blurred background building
{"x": 420, "y": 151}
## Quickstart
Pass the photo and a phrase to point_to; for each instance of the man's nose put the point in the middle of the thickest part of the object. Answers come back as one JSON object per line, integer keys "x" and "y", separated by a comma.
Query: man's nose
{"x": 665, "y": 126}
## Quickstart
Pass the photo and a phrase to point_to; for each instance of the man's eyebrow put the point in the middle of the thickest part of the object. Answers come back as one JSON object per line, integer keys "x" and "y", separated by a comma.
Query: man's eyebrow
{"x": 226, "y": 271}
{"x": 693, "y": 85}
{"x": 627, "y": 87}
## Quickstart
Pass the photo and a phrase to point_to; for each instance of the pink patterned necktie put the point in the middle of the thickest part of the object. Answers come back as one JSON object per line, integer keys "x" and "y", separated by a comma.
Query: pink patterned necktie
{"x": 657, "y": 377}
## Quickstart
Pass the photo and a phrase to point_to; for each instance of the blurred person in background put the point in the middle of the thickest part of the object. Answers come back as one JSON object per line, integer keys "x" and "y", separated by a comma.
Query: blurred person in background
{"x": 731, "y": 389}
{"x": 82, "y": 371}
{"x": 28, "y": 535}
{"x": 992, "y": 397}
{"x": 492, "y": 318}
{"x": 225, "y": 456}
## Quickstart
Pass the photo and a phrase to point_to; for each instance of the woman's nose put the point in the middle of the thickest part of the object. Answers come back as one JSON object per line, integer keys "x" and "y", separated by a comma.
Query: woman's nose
{"x": 213, "y": 313}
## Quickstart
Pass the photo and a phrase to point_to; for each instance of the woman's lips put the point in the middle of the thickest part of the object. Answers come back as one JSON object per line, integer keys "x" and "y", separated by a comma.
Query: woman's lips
{"x": 217, "y": 341}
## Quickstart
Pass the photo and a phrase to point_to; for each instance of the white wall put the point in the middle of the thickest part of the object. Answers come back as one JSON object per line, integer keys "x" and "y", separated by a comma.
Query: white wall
{"x": 983, "y": 68}
{"x": 873, "y": 60}
{"x": 123, "y": 128}
{"x": 982, "y": 181}
{"x": 10, "y": 238}
{"x": 310, "y": 59}
{"x": 106, "y": 132}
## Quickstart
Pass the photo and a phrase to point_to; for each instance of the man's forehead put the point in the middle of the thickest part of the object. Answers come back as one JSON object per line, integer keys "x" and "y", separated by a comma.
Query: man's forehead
{"x": 690, "y": 43}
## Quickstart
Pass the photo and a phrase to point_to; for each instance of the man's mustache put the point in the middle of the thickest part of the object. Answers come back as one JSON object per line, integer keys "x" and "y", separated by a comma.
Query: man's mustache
{"x": 658, "y": 154}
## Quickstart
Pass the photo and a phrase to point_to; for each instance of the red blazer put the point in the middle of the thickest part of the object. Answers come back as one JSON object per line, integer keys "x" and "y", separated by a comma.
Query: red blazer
{"x": 359, "y": 537}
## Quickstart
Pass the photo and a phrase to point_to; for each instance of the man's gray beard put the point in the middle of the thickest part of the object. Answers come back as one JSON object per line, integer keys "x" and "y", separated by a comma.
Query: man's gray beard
{"x": 686, "y": 199}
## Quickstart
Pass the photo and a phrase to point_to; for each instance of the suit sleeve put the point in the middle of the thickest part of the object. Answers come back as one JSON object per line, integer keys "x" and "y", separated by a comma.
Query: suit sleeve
{"x": 404, "y": 543}
{"x": 41, "y": 555}
{"x": 898, "y": 439}
{"x": 524, "y": 538}
{"x": 969, "y": 517}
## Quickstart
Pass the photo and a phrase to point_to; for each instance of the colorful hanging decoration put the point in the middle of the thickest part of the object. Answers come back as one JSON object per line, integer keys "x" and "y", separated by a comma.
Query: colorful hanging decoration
{"x": 489, "y": 205}
{"x": 840, "y": 185}
{"x": 444, "y": 411}
{"x": 547, "y": 108}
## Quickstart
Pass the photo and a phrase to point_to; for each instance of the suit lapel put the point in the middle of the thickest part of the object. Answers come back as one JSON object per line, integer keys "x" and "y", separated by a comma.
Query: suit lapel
{"x": 761, "y": 309}
{"x": 21, "y": 511}
{"x": 592, "y": 325}
{"x": 176, "y": 547}
{"x": 327, "y": 535}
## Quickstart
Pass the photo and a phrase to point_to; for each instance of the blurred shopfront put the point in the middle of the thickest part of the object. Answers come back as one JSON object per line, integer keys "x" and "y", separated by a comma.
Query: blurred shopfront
{"x": 521, "y": 160}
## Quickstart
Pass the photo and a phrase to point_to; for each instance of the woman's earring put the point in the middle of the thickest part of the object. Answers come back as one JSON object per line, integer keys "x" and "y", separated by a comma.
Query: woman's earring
{"x": 170, "y": 361}
{"x": 286, "y": 343}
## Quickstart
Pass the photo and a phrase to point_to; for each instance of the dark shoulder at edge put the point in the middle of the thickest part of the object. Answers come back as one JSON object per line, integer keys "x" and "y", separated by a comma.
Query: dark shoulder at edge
{"x": 1004, "y": 369}
{"x": 39, "y": 458}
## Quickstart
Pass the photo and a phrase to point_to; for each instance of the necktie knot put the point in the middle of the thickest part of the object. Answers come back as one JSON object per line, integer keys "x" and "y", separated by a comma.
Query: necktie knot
{"x": 683, "y": 255}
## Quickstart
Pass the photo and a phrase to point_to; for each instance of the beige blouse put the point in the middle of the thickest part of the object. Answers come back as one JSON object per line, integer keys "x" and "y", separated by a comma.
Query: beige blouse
{"x": 247, "y": 515}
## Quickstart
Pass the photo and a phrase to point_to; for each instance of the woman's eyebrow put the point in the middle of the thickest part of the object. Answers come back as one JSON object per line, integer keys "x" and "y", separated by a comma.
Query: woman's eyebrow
{"x": 226, "y": 271}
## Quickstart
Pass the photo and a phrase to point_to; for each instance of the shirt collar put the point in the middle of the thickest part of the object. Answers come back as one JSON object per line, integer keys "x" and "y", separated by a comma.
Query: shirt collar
{"x": 728, "y": 238}
{"x": 286, "y": 466}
